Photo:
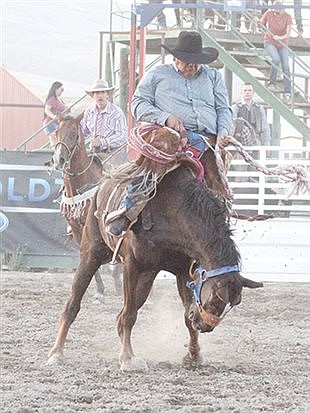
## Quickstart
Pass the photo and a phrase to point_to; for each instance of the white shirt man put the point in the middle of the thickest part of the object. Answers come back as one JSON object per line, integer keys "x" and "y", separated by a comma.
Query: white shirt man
{"x": 104, "y": 123}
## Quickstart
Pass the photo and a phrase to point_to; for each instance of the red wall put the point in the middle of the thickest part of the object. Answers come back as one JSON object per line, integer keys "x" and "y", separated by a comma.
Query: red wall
{"x": 21, "y": 113}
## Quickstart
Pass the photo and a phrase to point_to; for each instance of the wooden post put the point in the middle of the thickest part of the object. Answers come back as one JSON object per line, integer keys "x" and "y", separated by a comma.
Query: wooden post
{"x": 162, "y": 51}
{"x": 100, "y": 73}
{"x": 200, "y": 16}
{"x": 124, "y": 79}
{"x": 108, "y": 64}
{"x": 276, "y": 129}
{"x": 229, "y": 82}
{"x": 305, "y": 113}
{"x": 132, "y": 63}
{"x": 261, "y": 182}
{"x": 142, "y": 51}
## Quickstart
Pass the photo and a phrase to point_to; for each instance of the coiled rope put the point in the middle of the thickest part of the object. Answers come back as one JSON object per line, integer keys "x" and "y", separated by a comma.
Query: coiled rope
{"x": 136, "y": 142}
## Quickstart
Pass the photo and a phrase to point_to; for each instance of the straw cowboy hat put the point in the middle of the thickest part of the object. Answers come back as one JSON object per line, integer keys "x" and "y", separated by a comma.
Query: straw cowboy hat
{"x": 99, "y": 86}
{"x": 188, "y": 48}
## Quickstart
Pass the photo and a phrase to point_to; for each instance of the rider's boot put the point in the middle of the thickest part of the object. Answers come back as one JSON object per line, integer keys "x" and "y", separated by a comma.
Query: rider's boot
{"x": 118, "y": 226}
{"x": 116, "y": 221}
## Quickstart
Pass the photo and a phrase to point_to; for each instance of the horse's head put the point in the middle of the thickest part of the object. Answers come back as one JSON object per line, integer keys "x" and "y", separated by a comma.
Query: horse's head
{"x": 68, "y": 139}
{"x": 215, "y": 295}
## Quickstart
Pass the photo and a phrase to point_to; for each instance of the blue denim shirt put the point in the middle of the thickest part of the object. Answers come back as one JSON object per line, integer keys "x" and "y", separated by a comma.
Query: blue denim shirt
{"x": 201, "y": 102}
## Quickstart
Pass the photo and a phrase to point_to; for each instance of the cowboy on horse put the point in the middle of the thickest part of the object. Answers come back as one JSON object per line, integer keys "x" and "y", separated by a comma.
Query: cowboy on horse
{"x": 190, "y": 98}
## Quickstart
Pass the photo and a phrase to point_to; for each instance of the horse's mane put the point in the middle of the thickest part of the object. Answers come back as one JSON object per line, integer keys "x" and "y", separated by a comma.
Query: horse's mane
{"x": 210, "y": 209}
{"x": 203, "y": 202}
{"x": 68, "y": 116}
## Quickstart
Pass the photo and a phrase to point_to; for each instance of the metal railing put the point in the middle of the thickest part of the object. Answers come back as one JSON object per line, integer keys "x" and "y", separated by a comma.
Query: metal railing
{"x": 23, "y": 145}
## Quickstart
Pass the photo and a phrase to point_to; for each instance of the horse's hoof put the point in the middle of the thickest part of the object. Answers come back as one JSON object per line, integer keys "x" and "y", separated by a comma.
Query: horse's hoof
{"x": 55, "y": 359}
{"x": 191, "y": 362}
{"x": 98, "y": 298}
{"x": 134, "y": 364}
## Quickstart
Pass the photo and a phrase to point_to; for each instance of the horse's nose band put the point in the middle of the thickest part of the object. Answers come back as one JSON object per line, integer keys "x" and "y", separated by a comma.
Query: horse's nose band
{"x": 196, "y": 287}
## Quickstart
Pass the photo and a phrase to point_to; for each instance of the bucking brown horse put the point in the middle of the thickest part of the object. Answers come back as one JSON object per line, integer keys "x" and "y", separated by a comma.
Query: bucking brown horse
{"x": 184, "y": 229}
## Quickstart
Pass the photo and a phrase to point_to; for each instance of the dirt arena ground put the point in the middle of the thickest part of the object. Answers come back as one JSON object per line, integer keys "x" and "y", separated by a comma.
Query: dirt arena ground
{"x": 257, "y": 360}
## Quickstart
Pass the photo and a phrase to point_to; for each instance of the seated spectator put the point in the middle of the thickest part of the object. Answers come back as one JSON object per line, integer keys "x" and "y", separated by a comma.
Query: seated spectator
{"x": 278, "y": 23}
{"x": 161, "y": 17}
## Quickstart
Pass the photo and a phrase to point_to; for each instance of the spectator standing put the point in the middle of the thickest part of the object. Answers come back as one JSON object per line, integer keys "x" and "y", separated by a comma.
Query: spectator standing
{"x": 250, "y": 126}
{"x": 54, "y": 105}
{"x": 254, "y": 115}
{"x": 279, "y": 24}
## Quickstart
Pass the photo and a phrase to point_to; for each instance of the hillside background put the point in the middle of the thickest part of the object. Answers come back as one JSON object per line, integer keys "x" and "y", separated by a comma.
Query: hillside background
{"x": 44, "y": 41}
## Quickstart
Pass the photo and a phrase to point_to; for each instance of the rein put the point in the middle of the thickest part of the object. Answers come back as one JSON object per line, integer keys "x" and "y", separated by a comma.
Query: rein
{"x": 67, "y": 165}
{"x": 296, "y": 174}
{"x": 196, "y": 287}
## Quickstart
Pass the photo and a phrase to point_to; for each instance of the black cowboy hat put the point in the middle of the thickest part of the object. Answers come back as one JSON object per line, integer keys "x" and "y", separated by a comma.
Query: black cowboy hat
{"x": 189, "y": 49}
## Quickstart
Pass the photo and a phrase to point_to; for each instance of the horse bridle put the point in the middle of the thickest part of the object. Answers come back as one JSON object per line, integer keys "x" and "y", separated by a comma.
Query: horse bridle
{"x": 71, "y": 153}
{"x": 196, "y": 287}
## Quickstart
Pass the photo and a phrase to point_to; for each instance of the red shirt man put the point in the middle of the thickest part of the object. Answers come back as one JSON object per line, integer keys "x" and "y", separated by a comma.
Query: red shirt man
{"x": 279, "y": 24}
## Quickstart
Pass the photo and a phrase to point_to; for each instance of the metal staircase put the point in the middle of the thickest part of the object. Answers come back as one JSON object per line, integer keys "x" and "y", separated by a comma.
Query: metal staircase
{"x": 240, "y": 56}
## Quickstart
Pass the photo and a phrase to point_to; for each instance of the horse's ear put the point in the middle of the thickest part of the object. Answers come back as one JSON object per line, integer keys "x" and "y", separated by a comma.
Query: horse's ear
{"x": 79, "y": 117}
{"x": 246, "y": 282}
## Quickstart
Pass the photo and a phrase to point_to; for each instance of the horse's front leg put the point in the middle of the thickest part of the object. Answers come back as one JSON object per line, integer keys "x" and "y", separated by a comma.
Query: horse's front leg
{"x": 193, "y": 358}
{"x": 93, "y": 253}
{"x": 137, "y": 286}
{"x": 81, "y": 280}
{"x": 77, "y": 231}
{"x": 86, "y": 269}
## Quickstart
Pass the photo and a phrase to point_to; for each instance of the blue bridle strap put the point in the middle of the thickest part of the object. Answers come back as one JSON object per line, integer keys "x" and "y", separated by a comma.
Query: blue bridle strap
{"x": 196, "y": 286}
{"x": 219, "y": 271}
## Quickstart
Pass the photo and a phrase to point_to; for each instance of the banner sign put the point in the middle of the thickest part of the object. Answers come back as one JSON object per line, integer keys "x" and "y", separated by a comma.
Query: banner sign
{"x": 30, "y": 221}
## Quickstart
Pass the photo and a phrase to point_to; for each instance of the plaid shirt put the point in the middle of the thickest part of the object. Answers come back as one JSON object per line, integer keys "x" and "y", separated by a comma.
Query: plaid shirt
{"x": 109, "y": 126}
